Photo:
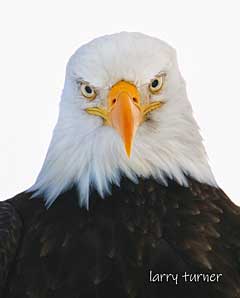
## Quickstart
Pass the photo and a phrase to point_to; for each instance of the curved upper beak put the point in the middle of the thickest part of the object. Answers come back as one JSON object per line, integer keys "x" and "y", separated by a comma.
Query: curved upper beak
{"x": 124, "y": 111}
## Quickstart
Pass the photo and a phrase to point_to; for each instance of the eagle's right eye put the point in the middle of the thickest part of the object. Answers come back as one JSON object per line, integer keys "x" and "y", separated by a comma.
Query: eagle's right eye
{"x": 87, "y": 91}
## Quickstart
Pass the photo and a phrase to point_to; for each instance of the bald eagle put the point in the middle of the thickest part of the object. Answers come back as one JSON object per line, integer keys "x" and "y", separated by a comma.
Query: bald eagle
{"x": 125, "y": 205}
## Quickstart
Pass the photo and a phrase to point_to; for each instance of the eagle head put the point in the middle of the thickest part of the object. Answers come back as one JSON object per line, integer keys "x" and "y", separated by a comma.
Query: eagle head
{"x": 124, "y": 112}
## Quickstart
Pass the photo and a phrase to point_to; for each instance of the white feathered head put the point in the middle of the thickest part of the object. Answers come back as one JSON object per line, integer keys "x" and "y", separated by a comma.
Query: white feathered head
{"x": 124, "y": 112}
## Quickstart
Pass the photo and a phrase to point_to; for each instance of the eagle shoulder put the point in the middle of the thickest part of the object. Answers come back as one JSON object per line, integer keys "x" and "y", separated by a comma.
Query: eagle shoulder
{"x": 10, "y": 235}
{"x": 203, "y": 224}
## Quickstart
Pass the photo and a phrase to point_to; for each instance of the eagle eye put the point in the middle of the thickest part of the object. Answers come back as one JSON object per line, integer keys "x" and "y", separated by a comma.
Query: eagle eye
{"x": 156, "y": 84}
{"x": 87, "y": 91}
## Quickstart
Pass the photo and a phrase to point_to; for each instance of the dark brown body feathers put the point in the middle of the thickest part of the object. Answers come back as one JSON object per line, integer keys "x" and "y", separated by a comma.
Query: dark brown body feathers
{"x": 108, "y": 251}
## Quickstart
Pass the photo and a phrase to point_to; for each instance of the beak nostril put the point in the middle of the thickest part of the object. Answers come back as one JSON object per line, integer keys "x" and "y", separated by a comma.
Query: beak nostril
{"x": 114, "y": 101}
{"x": 135, "y": 99}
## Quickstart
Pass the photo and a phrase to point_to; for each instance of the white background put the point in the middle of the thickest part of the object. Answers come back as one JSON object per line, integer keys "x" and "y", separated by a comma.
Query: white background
{"x": 38, "y": 37}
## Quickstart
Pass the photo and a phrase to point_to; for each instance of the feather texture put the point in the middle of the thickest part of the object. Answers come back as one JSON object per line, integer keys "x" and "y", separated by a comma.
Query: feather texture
{"x": 10, "y": 235}
{"x": 109, "y": 250}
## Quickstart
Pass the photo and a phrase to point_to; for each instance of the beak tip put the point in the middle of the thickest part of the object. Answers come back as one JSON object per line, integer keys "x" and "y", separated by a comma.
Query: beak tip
{"x": 128, "y": 155}
{"x": 128, "y": 151}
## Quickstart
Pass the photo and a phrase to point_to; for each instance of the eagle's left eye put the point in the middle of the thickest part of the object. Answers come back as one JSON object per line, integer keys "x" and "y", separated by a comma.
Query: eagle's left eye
{"x": 88, "y": 91}
{"x": 156, "y": 84}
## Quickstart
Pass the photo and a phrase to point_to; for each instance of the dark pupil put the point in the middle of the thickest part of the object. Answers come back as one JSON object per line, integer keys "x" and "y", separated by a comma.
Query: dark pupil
{"x": 154, "y": 83}
{"x": 88, "y": 89}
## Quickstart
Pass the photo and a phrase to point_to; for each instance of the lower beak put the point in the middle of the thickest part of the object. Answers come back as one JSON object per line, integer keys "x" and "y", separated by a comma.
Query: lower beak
{"x": 125, "y": 116}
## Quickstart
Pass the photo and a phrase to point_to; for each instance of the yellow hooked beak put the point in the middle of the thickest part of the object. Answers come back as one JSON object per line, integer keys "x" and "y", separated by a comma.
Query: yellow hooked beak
{"x": 124, "y": 112}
